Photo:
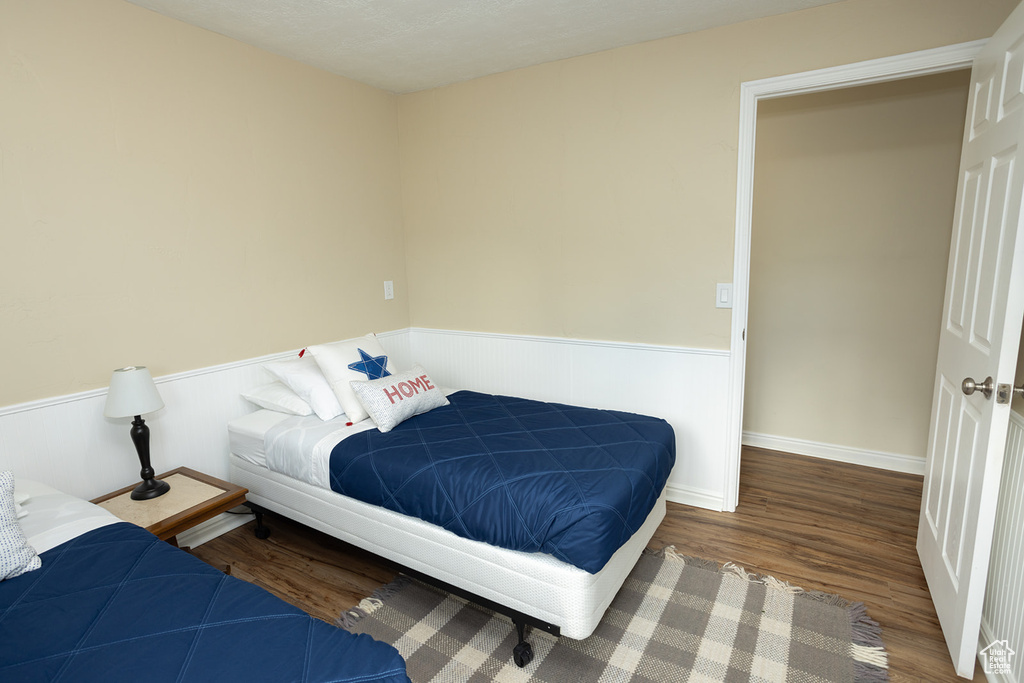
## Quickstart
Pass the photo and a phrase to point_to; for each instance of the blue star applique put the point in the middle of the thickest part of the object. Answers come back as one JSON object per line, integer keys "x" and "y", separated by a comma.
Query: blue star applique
{"x": 374, "y": 367}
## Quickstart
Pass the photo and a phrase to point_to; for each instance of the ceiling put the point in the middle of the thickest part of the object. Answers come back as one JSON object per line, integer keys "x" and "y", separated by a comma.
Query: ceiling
{"x": 407, "y": 45}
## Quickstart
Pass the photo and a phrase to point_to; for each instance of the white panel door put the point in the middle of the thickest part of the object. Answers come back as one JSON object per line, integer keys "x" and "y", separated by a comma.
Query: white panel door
{"x": 981, "y": 327}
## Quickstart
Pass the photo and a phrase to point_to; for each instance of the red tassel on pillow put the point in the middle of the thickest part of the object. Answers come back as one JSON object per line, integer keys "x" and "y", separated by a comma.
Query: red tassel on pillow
{"x": 302, "y": 353}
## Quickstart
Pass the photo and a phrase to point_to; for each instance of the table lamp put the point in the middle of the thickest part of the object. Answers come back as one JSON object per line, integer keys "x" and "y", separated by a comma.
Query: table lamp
{"x": 132, "y": 393}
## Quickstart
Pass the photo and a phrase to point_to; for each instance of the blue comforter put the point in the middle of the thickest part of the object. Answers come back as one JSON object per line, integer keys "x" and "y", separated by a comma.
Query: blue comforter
{"x": 520, "y": 474}
{"x": 118, "y": 604}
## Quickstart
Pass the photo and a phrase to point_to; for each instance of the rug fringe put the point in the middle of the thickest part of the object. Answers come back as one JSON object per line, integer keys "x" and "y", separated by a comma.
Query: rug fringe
{"x": 874, "y": 656}
{"x": 866, "y": 630}
{"x": 829, "y": 599}
{"x": 782, "y": 586}
{"x": 765, "y": 580}
{"x": 368, "y": 606}
{"x": 669, "y": 552}
{"x": 864, "y": 673}
{"x": 870, "y": 660}
{"x": 739, "y": 572}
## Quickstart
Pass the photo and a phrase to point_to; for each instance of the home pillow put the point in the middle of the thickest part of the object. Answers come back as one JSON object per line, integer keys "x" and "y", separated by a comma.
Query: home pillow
{"x": 394, "y": 399}
{"x": 16, "y": 555}
{"x": 303, "y": 376}
{"x": 277, "y": 396}
{"x": 361, "y": 359}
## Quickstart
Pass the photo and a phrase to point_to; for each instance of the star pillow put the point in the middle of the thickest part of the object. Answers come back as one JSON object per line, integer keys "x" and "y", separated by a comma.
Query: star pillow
{"x": 359, "y": 359}
{"x": 374, "y": 367}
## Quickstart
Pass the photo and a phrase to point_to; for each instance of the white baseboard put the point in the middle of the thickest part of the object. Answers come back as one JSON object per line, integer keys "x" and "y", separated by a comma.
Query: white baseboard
{"x": 895, "y": 462}
{"x": 701, "y": 498}
{"x": 985, "y": 638}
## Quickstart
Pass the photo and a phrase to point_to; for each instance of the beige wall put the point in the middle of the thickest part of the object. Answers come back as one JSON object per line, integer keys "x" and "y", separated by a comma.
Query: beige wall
{"x": 853, "y": 205}
{"x": 174, "y": 198}
{"x": 171, "y": 197}
{"x": 595, "y": 197}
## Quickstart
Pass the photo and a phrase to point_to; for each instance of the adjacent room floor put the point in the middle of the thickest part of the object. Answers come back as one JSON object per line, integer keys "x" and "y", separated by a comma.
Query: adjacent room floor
{"x": 818, "y": 524}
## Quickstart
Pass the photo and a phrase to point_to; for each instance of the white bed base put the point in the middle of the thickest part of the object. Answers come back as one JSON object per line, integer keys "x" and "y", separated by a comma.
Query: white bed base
{"x": 534, "y": 584}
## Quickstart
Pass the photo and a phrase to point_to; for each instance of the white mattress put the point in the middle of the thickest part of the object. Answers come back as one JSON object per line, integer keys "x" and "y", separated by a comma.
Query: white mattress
{"x": 55, "y": 517}
{"x": 532, "y": 583}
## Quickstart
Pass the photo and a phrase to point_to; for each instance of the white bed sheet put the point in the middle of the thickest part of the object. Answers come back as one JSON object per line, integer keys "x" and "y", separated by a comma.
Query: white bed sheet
{"x": 55, "y": 517}
{"x": 298, "y": 446}
{"x": 246, "y": 434}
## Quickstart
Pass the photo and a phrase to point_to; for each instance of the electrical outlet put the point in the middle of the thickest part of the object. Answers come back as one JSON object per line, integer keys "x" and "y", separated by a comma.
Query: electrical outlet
{"x": 389, "y": 289}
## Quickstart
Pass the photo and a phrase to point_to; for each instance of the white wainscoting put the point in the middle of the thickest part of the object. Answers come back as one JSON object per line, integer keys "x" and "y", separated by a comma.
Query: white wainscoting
{"x": 1003, "y": 615}
{"x": 687, "y": 387}
{"x": 896, "y": 462}
{"x": 67, "y": 442}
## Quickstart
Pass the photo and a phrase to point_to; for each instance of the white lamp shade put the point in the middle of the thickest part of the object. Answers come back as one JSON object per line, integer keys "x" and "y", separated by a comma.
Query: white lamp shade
{"x": 132, "y": 392}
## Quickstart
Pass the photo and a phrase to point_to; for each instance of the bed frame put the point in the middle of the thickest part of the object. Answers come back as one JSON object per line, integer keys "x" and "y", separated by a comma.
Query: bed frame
{"x": 531, "y": 588}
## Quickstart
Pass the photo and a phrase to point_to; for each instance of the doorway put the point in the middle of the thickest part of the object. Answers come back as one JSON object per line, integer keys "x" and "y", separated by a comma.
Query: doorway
{"x": 938, "y": 60}
{"x": 854, "y": 192}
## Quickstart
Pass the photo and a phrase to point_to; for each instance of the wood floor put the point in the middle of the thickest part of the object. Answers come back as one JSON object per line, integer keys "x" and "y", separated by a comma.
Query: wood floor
{"x": 818, "y": 524}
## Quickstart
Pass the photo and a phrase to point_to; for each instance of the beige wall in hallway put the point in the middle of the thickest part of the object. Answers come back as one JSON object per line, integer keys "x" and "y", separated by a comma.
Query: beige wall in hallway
{"x": 853, "y": 204}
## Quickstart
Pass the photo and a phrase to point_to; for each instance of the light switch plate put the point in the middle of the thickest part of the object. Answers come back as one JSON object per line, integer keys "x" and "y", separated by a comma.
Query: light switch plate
{"x": 723, "y": 295}
{"x": 389, "y": 289}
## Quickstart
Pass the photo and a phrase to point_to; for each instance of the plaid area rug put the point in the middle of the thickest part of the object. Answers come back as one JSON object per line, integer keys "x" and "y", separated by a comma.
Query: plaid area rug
{"x": 675, "y": 619}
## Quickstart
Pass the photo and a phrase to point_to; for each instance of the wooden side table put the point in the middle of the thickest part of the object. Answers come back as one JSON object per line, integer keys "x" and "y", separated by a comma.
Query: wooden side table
{"x": 194, "y": 498}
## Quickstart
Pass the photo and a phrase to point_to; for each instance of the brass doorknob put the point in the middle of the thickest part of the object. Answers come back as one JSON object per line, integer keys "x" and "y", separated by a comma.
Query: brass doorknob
{"x": 969, "y": 386}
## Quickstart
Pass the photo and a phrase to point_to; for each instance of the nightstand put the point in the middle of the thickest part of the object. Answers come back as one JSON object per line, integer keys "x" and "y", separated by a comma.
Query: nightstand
{"x": 194, "y": 498}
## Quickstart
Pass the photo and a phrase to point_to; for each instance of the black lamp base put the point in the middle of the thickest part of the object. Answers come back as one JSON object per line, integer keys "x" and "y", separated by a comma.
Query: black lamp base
{"x": 151, "y": 488}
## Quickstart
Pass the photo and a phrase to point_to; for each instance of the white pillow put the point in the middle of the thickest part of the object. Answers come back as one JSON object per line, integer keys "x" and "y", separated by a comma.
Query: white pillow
{"x": 392, "y": 400}
{"x": 19, "y": 500}
{"x": 16, "y": 555}
{"x": 341, "y": 362}
{"x": 303, "y": 376}
{"x": 277, "y": 396}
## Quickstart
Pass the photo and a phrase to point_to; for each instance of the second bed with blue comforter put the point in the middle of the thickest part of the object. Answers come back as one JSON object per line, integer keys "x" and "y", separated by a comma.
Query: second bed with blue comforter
{"x": 520, "y": 474}
{"x": 118, "y": 604}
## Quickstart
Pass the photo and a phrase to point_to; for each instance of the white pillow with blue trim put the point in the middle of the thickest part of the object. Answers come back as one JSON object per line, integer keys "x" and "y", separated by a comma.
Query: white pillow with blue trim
{"x": 16, "y": 555}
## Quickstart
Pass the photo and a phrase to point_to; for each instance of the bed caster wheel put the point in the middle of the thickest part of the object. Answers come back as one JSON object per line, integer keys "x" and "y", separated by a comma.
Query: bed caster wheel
{"x": 261, "y": 531}
{"x": 522, "y": 654}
